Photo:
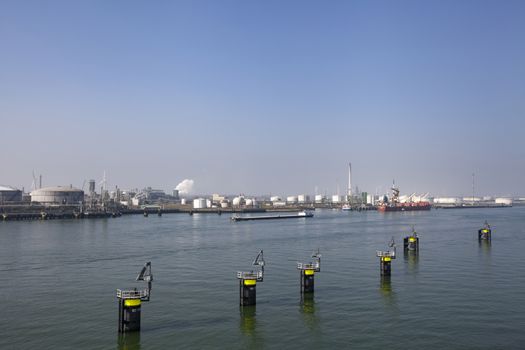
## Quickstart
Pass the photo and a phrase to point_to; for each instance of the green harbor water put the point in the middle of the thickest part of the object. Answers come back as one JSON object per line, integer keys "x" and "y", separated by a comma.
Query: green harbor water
{"x": 58, "y": 282}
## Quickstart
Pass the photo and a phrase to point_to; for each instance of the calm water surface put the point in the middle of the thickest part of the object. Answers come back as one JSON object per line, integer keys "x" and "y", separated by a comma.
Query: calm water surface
{"x": 58, "y": 281}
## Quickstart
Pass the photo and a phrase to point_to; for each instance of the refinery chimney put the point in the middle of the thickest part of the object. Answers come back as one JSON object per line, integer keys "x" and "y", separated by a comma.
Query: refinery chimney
{"x": 349, "y": 179}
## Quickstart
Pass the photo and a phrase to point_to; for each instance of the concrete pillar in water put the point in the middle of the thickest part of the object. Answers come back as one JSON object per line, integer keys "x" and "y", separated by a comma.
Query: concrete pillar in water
{"x": 129, "y": 315}
{"x": 130, "y": 302}
{"x": 385, "y": 265}
{"x": 411, "y": 243}
{"x": 385, "y": 259}
{"x": 247, "y": 292}
{"x": 307, "y": 281}
{"x": 485, "y": 233}
{"x": 248, "y": 282}
{"x": 307, "y": 273}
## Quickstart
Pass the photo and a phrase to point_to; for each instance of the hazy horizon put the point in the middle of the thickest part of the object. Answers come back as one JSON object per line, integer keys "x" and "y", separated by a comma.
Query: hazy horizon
{"x": 265, "y": 97}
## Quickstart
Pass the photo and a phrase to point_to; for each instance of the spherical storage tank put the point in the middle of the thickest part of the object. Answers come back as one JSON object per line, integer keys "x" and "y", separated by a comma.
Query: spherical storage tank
{"x": 58, "y": 195}
{"x": 237, "y": 201}
{"x": 9, "y": 194}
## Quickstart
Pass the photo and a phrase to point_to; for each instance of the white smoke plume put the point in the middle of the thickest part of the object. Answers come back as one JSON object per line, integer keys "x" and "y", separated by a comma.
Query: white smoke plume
{"x": 185, "y": 187}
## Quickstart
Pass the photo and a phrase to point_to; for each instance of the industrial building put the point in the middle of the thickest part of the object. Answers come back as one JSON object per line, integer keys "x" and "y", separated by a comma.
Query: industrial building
{"x": 10, "y": 194}
{"x": 57, "y": 195}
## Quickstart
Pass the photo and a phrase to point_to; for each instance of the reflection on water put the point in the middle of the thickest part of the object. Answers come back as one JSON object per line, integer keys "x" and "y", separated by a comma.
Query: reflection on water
{"x": 411, "y": 259}
{"x": 485, "y": 246}
{"x": 129, "y": 341}
{"x": 307, "y": 306}
{"x": 387, "y": 292}
{"x": 248, "y": 321}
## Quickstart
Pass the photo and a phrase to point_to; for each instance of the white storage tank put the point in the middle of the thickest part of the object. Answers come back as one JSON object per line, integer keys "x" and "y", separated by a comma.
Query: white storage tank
{"x": 471, "y": 199}
{"x": 319, "y": 198}
{"x": 505, "y": 201}
{"x": 370, "y": 199}
{"x": 208, "y": 203}
{"x": 275, "y": 199}
{"x": 238, "y": 201}
{"x": 336, "y": 198}
{"x": 183, "y": 201}
{"x": 58, "y": 195}
{"x": 224, "y": 204}
{"x": 291, "y": 199}
{"x": 199, "y": 203}
{"x": 447, "y": 200}
{"x": 303, "y": 198}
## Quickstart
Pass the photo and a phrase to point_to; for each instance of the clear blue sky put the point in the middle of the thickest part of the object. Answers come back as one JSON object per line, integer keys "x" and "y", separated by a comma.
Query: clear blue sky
{"x": 265, "y": 96}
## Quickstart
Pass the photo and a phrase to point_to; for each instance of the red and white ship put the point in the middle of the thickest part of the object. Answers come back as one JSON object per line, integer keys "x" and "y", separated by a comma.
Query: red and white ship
{"x": 395, "y": 205}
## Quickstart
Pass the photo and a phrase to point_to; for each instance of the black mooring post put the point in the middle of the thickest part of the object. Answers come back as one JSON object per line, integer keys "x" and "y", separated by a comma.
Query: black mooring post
{"x": 130, "y": 301}
{"x": 248, "y": 281}
{"x": 385, "y": 259}
{"x": 385, "y": 266}
{"x": 307, "y": 272}
{"x": 129, "y": 315}
{"x": 247, "y": 292}
{"x": 307, "y": 281}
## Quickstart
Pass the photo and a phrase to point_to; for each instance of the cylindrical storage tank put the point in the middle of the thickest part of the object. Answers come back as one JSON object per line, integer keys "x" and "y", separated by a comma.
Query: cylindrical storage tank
{"x": 336, "y": 198}
{"x": 319, "y": 198}
{"x": 505, "y": 201}
{"x": 238, "y": 201}
{"x": 183, "y": 201}
{"x": 471, "y": 199}
{"x": 249, "y": 202}
{"x": 291, "y": 199}
{"x": 369, "y": 199}
{"x": 447, "y": 200}
{"x": 208, "y": 203}
{"x": 224, "y": 204}
{"x": 10, "y": 194}
{"x": 58, "y": 195}
{"x": 199, "y": 203}
{"x": 275, "y": 199}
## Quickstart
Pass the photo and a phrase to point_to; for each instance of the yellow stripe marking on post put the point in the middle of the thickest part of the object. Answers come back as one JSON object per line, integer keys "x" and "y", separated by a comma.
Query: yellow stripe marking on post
{"x": 132, "y": 302}
{"x": 250, "y": 282}
{"x": 386, "y": 258}
{"x": 309, "y": 272}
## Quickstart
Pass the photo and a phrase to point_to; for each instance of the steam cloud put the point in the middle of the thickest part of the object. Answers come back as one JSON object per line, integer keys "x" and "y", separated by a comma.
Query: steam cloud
{"x": 185, "y": 187}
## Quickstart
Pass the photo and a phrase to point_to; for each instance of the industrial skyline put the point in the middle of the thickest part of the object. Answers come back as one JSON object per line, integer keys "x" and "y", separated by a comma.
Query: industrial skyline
{"x": 273, "y": 97}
